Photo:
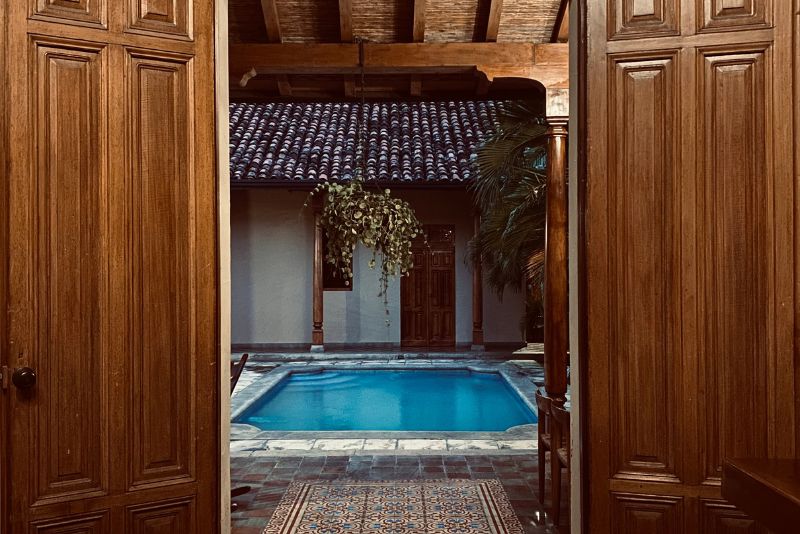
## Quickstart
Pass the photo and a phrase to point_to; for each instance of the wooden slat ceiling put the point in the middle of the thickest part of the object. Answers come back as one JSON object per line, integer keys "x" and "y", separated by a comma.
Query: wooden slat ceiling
{"x": 309, "y": 21}
{"x": 384, "y": 21}
{"x": 527, "y": 21}
{"x": 455, "y": 21}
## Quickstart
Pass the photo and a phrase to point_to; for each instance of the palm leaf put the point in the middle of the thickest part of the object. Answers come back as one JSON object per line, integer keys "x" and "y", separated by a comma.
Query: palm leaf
{"x": 510, "y": 190}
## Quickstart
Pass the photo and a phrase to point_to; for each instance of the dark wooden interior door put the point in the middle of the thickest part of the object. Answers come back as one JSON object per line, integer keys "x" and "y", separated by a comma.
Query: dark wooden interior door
{"x": 441, "y": 297}
{"x": 691, "y": 256}
{"x": 414, "y": 302}
{"x": 109, "y": 240}
{"x": 427, "y": 293}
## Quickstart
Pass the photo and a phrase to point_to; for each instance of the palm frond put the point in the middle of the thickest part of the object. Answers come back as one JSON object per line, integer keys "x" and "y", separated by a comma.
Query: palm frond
{"x": 510, "y": 191}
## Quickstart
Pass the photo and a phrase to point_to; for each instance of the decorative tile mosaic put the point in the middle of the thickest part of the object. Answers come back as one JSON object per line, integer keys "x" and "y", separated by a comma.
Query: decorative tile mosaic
{"x": 270, "y": 474}
{"x": 397, "y": 507}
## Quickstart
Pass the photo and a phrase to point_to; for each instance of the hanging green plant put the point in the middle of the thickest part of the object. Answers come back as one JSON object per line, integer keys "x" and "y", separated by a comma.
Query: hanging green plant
{"x": 382, "y": 223}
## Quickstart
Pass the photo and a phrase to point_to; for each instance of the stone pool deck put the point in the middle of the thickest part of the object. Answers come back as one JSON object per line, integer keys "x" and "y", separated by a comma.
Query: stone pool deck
{"x": 259, "y": 376}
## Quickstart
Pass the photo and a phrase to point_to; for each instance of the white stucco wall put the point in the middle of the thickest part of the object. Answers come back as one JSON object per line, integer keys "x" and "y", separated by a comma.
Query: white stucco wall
{"x": 272, "y": 247}
{"x": 359, "y": 316}
{"x": 502, "y": 318}
{"x": 271, "y": 273}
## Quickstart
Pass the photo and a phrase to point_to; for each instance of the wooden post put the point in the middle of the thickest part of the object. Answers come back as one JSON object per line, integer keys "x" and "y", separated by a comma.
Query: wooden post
{"x": 477, "y": 296}
{"x": 555, "y": 280}
{"x": 317, "y": 334}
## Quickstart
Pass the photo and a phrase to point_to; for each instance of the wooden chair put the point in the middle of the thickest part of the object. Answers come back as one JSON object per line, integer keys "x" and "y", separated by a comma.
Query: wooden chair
{"x": 236, "y": 372}
{"x": 559, "y": 455}
{"x": 543, "y": 412}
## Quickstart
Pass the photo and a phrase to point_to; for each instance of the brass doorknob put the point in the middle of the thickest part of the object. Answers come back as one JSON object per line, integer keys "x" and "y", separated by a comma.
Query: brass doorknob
{"x": 24, "y": 377}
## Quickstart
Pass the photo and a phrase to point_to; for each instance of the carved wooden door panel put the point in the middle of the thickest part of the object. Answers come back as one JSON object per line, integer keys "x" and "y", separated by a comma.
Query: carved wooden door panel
{"x": 414, "y": 302}
{"x": 427, "y": 293}
{"x": 441, "y": 298}
{"x": 109, "y": 228}
{"x": 690, "y": 255}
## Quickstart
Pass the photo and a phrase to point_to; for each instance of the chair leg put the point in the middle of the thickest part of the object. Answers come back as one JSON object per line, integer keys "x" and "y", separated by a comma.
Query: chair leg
{"x": 541, "y": 466}
{"x": 555, "y": 489}
{"x": 236, "y": 492}
{"x": 241, "y": 490}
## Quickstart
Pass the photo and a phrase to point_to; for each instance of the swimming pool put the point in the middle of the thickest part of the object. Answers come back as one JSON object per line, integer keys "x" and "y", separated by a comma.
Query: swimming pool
{"x": 390, "y": 400}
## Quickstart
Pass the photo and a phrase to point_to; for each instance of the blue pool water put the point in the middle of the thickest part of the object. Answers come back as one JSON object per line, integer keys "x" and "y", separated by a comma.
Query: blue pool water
{"x": 390, "y": 401}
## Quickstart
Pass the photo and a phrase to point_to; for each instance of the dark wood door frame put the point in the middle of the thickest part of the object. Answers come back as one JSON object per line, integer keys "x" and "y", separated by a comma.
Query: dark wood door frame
{"x": 4, "y": 360}
{"x": 578, "y": 162}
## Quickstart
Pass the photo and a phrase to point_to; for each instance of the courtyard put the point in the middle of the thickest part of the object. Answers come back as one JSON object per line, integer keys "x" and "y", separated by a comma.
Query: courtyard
{"x": 275, "y": 464}
{"x": 500, "y": 266}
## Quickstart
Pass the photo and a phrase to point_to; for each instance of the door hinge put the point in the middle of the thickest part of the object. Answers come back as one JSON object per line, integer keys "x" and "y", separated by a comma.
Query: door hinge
{"x": 5, "y": 375}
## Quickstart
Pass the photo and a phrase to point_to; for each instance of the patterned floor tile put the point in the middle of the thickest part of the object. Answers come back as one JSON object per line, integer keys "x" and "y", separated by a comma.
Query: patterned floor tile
{"x": 270, "y": 478}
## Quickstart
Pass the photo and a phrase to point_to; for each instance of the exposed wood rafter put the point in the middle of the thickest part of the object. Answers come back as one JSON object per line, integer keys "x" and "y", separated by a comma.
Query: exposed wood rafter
{"x": 397, "y": 58}
{"x": 284, "y": 87}
{"x": 546, "y": 63}
{"x": 561, "y": 28}
{"x": 417, "y": 36}
{"x": 269, "y": 9}
{"x": 346, "y": 36}
{"x": 492, "y": 29}
{"x": 350, "y": 88}
{"x": 493, "y": 24}
{"x": 418, "y": 31}
{"x": 415, "y": 88}
{"x": 346, "y": 21}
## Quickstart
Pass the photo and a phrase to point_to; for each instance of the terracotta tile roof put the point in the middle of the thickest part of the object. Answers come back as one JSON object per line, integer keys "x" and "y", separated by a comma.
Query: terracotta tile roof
{"x": 407, "y": 141}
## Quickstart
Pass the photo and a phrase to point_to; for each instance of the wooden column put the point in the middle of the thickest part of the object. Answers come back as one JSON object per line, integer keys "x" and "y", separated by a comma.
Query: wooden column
{"x": 477, "y": 296}
{"x": 555, "y": 279}
{"x": 317, "y": 334}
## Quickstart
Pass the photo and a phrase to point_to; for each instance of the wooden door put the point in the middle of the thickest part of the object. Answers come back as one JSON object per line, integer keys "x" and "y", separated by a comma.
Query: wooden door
{"x": 691, "y": 256}
{"x": 414, "y": 302}
{"x": 441, "y": 297}
{"x": 109, "y": 230}
{"x": 427, "y": 293}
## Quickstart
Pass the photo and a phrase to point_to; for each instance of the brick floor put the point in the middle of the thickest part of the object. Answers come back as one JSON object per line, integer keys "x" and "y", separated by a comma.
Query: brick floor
{"x": 270, "y": 476}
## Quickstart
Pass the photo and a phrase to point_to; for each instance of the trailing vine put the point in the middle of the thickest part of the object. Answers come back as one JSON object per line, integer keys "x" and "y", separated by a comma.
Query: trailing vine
{"x": 382, "y": 223}
{"x": 350, "y": 215}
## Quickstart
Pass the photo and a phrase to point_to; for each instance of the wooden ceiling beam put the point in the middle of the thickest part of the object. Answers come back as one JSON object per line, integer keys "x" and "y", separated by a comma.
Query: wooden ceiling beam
{"x": 284, "y": 87}
{"x": 346, "y": 36}
{"x": 269, "y": 10}
{"x": 492, "y": 29}
{"x": 546, "y": 63}
{"x": 561, "y": 28}
{"x": 342, "y": 58}
{"x": 415, "y": 87}
{"x": 346, "y": 21}
{"x": 493, "y": 23}
{"x": 418, "y": 29}
{"x": 417, "y": 36}
{"x": 371, "y": 74}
